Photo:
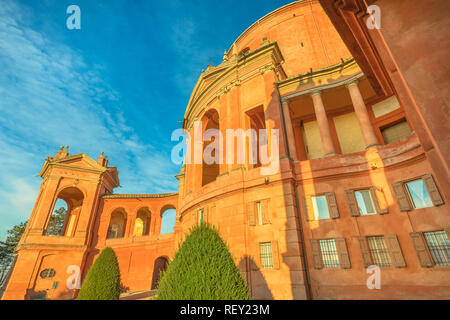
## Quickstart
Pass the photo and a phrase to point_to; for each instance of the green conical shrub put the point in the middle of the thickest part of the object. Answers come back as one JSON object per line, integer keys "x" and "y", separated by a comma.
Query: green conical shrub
{"x": 103, "y": 279}
{"x": 202, "y": 269}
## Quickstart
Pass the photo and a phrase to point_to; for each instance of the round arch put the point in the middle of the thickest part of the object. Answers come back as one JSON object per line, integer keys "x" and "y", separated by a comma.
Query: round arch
{"x": 167, "y": 207}
{"x": 117, "y": 223}
{"x": 142, "y": 222}
{"x": 70, "y": 188}
{"x": 210, "y": 171}
{"x": 168, "y": 215}
{"x": 65, "y": 213}
{"x": 160, "y": 265}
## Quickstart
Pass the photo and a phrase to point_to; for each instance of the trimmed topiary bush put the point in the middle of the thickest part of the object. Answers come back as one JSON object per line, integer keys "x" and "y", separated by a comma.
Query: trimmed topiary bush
{"x": 103, "y": 279}
{"x": 202, "y": 269}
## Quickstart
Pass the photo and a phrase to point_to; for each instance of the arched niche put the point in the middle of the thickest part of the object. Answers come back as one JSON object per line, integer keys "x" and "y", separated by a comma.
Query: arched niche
{"x": 257, "y": 123}
{"x": 142, "y": 222}
{"x": 117, "y": 224}
{"x": 210, "y": 171}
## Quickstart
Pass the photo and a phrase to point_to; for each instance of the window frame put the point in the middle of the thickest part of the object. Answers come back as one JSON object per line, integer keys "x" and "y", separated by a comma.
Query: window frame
{"x": 47, "y": 273}
{"x": 336, "y": 253}
{"x": 201, "y": 216}
{"x": 387, "y": 119}
{"x": 393, "y": 123}
{"x": 262, "y": 259}
{"x": 371, "y": 199}
{"x": 386, "y": 249}
{"x": 430, "y": 252}
{"x": 259, "y": 214}
{"x": 316, "y": 216}
{"x": 410, "y": 199}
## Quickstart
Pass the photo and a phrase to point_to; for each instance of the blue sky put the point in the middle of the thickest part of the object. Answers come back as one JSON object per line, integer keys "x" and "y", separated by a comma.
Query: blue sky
{"x": 119, "y": 85}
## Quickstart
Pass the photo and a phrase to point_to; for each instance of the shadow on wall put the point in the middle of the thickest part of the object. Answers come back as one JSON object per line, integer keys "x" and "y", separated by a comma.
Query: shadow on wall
{"x": 254, "y": 279}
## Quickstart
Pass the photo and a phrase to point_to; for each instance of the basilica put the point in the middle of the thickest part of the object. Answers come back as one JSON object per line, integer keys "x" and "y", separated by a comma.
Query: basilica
{"x": 363, "y": 166}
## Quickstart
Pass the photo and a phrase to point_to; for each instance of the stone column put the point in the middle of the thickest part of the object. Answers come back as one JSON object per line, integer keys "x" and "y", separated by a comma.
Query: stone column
{"x": 289, "y": 130}
{"x": 322, "y": 121}
{"x": 370, "y": 139}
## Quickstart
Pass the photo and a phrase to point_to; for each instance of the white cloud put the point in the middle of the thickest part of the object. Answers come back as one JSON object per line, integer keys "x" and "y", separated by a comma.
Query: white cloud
{"x": 51, "y": 97}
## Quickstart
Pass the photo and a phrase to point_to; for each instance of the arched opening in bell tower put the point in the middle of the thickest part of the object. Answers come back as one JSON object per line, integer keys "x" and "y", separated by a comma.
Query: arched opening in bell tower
{"x": 65, "y": 213}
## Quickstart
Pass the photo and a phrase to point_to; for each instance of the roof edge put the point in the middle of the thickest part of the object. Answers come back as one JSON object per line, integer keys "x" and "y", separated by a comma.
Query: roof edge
{"x": 261, "y": 19}
{"x": 138, "y": 196}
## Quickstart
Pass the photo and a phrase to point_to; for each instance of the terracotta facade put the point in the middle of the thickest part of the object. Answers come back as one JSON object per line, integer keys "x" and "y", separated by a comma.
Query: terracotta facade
{"x": 349, "y": 124}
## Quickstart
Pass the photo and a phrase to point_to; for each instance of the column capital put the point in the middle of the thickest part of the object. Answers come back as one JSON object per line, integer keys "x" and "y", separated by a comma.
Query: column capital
{"x": 284, "y": 101}
{"x": 315, "y": 93}
{"x": 352, "y": 83}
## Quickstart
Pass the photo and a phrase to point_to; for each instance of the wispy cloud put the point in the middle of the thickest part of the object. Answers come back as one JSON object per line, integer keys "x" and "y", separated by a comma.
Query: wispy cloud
{"x": 187, "y": 39}
{"x": 50, "y": 96}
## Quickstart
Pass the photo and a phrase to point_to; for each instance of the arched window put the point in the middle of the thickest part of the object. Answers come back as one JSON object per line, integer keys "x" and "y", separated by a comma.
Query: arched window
{"x": 142, "y": 223}
{"x": 65, "y": 212}
{"x": 257, "y": 123}
{"x": 117, "y": 224}
{"x": 168, "y": 218}
{"x": 210, "y": 171}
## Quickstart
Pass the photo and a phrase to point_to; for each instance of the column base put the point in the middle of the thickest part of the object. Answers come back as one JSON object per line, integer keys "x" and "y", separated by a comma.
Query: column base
{"x": 373, "y": 145}
{"x": 329, "y": 154}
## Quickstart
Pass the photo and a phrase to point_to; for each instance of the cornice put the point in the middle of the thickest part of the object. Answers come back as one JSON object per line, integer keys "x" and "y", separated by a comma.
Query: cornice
{"x": 316, "y": 90}
{"x": 262, "y": 19}
{"x": 348, "y": 70}
{"x": 138, "y": 196}
{"x": 106, "y": 174}
{"x": 233, "y": 69}
{"x": 62, "y": 163}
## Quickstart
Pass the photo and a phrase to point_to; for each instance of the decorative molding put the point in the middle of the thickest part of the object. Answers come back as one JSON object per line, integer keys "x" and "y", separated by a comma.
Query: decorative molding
{"x": 138, "y": 196}
{"x": 316, "y": 89}
{"x": 351, "y": 83}
{"x": 228, "y": 87}
{"x": 204, "y": 93}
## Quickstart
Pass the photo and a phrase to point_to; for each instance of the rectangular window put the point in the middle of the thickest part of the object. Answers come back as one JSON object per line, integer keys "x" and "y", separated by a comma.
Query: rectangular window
{"x": 200, "y": 216}
{"x": 386, "y": 106}
{"x": 329, "y": 253}
{"x": 439, "y": 247}
{"x": 365, "y": 202}
{"x": 320, "y": 207}
{"x": 396, "y": 132}
{"x": 419, "y": 194}
{"x": 379, "y": 251}
{"x": 266, "y": 255}
{"x": 259, "y": 212}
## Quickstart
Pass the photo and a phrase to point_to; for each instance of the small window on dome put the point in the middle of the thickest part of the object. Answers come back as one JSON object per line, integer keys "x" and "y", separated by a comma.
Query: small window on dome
{"x": 244, "y": 51}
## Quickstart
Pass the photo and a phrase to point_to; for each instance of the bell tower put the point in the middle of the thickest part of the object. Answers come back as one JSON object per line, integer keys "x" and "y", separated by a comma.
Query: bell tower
{"x": 59, "y": 231}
